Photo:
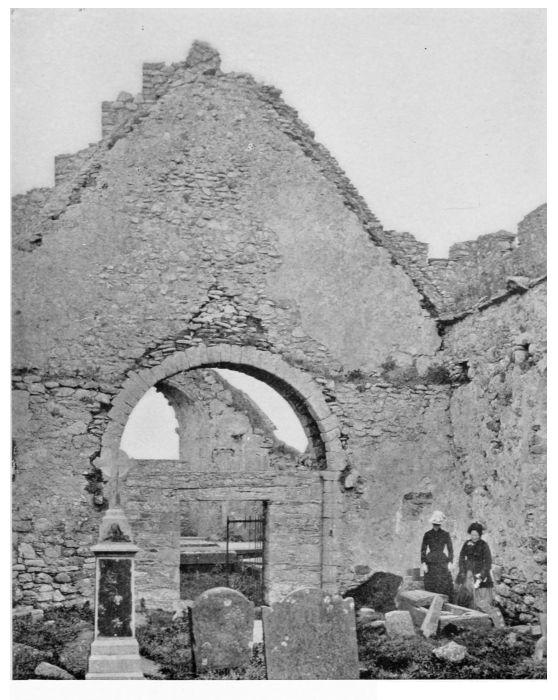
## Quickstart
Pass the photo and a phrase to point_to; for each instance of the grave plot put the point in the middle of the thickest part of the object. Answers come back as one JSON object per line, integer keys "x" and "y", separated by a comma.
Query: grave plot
{"x": 310, "y": 635}
{"x": 418, "y": 604}
{"x": 223, "y": 627}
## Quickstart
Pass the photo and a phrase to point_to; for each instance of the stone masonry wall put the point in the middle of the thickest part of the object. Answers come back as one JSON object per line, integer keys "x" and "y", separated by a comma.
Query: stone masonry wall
{"x": 208, "y": 217}
{"x": 477, "y": 271}
{"x": 155, "y": 491}
{"x": 56, "y": 490}
{"x": 499, "y": 424}
{"x": 219, "y": 427}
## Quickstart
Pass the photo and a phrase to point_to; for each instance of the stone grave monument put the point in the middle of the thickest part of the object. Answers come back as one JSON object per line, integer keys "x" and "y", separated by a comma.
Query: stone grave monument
{"x": 310, "y": 635}
{"x": 399, "y": 623}
{"x": 222, "y": 626}
{"x": 115, "y": 650}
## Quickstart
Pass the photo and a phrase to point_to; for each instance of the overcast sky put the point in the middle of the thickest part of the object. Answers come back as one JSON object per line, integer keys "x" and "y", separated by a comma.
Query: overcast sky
{"x": 437, "y": 116}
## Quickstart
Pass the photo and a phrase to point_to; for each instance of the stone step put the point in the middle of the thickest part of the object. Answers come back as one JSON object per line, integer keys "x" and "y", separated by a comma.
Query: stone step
{"x": 114, "y": 646}
{"x": 124, "y": 663}
{"x": 114, "y": 676}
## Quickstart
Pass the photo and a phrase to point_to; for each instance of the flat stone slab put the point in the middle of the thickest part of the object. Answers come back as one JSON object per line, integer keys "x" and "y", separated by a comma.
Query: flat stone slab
{"x": 311, "y": 635}
{"x": 418, "y": 598}
{"x": 399, "y": 623}
{"x": 223, "y": 627}
{"x": 418, "y": 602}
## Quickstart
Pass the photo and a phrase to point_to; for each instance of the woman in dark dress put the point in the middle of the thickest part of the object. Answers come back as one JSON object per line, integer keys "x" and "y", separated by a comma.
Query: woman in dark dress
{"x": 475, "y": 562}
{"x": 436, "y": 555}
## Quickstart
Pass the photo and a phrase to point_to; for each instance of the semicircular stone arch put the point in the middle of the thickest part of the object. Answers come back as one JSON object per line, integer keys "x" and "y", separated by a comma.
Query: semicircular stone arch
{"x": 300, "y": 390}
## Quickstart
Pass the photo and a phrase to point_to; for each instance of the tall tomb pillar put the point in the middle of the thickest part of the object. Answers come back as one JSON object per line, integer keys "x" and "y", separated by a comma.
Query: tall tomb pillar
{"x": 115, "y": 649}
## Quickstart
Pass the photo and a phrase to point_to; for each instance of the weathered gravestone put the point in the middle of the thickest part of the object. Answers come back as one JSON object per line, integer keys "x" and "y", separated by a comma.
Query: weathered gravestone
{"x": 222, "y": 626}
{"x": 399, "y": 623}
{"x": 310, "y": 635}
{"x": 430, "y": 624}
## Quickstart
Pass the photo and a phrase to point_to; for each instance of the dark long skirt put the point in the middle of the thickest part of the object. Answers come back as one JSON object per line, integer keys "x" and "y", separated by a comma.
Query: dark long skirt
{"x": 438, "y": 579}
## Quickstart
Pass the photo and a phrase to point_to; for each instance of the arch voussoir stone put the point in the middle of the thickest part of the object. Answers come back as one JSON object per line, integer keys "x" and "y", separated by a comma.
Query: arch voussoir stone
{"x": 294, "y": 384}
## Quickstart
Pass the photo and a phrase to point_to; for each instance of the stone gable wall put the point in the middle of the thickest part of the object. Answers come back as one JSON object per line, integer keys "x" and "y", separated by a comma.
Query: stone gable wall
{"x": 208, "y": 220}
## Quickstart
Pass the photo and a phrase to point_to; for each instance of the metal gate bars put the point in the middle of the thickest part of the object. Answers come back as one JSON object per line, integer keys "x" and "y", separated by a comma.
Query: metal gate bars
{"x": 244, "y": 559}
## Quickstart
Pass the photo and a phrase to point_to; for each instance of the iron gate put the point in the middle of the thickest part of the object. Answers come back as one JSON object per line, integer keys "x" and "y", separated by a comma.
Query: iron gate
{"x": 244, "y": 562}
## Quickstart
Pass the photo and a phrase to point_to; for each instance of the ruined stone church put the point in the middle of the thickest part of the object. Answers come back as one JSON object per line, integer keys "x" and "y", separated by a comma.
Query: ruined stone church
{"x": 206, "y": 230}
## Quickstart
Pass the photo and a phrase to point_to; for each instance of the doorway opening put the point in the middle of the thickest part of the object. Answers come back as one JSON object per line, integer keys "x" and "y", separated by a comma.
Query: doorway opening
{"x": 222, "y": 543}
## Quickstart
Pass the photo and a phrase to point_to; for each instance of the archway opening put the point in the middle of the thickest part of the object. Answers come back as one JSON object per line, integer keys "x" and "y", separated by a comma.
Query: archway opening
{"x": 153, "y": 429}
{"x": 232, "y": 458}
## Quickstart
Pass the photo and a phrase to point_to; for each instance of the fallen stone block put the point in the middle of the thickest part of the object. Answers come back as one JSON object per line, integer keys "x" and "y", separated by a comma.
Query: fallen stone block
{"x": 46, "y": 670}
{"x": 452, "y": 652}
{"x": 540, "y": 649}
{"x": 26, "y": 658}
{"x": 417, "y": 603}
{"x": 429, "y": 626}
{"x": 376, "y": 592}
{"x": 368, "y": 615}
{"x": 377, "y": 624}
{"x": 399, "y": 623}
{"x": 518, "y": 283}
{"x": 419, "y": 597}
{"x": 494, "y": 614}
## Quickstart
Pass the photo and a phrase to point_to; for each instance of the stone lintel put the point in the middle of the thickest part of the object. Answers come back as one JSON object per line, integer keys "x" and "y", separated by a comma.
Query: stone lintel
{"x": 115, "y": 549}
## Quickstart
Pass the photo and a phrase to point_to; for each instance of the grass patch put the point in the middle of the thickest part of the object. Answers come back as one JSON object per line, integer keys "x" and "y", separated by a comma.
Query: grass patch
{"x": 489, "y": 656}
{"x": 49, "y": 635}
{"x": 168, "y": 643}
{"x": 195, "y": 581}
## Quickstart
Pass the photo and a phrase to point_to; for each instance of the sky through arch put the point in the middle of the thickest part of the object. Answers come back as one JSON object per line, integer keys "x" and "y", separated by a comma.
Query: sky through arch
{"x": 150, "y": 432}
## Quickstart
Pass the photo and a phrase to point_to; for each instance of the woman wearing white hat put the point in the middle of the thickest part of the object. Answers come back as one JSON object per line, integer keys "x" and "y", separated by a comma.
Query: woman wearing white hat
{"x": 436, "y": 555}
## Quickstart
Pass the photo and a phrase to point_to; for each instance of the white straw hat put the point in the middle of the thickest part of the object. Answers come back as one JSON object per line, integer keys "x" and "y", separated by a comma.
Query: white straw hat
{"x": 437, "y": 517}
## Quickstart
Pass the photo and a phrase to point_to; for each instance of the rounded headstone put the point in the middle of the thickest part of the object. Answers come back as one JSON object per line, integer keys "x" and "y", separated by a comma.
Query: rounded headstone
{"x": 223, "y": 626}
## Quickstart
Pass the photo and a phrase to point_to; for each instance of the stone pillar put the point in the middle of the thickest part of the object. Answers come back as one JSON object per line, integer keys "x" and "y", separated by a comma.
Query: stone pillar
{"x": 115, "y": 650}
{"x": 330, "y": 518}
